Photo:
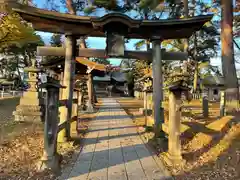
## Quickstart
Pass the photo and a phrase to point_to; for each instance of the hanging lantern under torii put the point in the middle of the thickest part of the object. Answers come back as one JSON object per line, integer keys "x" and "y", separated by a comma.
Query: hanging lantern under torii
{"x": 116, "y": 27}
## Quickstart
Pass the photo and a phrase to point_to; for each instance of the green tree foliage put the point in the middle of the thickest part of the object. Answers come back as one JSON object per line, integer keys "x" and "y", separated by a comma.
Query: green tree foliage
{"x": 101, "y": 61}
{"x": 201, "y": 47}
{"x": 15, "y": 31}
{"x": 139, "y": 69}
{"x": 56, "y": 40}
{"x": 18, "y": 43}
{"x": 16, "y": 58}
{"x": 25, "y": 53}
{"x": 124, "y": 6}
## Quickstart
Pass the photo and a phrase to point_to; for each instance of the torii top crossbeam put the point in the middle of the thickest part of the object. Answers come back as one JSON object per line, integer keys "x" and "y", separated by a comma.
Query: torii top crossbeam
{"x": 56, "y": 22}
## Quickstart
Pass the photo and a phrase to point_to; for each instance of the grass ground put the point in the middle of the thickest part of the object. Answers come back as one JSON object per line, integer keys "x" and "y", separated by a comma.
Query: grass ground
{"x": 211, "y": 146}
{"x": 21, "y": 145}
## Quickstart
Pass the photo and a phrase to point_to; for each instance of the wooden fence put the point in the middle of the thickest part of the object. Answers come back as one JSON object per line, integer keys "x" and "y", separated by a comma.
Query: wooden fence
{"x": 10, "y": 94}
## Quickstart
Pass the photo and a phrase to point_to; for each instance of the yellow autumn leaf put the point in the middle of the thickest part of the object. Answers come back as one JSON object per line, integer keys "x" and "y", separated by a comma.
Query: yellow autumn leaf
{"x": 214, "y": 10}
{"x": 208, "y": 24}
{"x": 14, "y": 31}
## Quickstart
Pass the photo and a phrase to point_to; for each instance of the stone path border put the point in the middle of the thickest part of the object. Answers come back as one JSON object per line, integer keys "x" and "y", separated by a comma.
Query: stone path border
{"x": 113, "y": 150}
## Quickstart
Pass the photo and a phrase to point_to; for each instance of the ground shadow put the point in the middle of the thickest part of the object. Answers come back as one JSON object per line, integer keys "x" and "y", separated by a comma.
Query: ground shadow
{"x": 107, "y": 158}
{"x": 226, "y": 166}
{"x": 115, "y": 117}
{"x": 216, "y": 137}
{"x": 104, "y": 138}
{"x": 106, "y": 129}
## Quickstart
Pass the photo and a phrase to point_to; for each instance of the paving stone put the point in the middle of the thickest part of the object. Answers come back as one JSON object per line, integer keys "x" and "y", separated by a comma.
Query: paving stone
{"x": 113, "y": 150}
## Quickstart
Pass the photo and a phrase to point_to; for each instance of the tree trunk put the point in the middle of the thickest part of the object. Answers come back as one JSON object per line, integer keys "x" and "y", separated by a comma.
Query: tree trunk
{"x": 19, "y": 74}
{"x": 186, "y": 11}
{"x": 70, "y": 7}
{"x": 186, "y": 44}
{"x": 195, "y": 81}
{"x": 185, "y": 3}
{"x": 228, "y": 64}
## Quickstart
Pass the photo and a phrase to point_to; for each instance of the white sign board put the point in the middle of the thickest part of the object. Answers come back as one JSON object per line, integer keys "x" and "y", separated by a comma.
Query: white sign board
{"x": 43, "y": 78}
{"x": 89, "y": 70}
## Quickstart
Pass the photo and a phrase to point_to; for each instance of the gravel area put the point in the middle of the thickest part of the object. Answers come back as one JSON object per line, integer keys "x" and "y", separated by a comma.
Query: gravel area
{"x": 7, "y": 106}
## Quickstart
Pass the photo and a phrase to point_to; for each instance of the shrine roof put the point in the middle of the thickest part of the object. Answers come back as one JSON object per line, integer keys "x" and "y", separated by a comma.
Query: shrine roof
{"x": 115, "y": 76}
{"x": 211, "y": 80}
{"x": 82, "y": 65}
{"x": 105, "y": 78}
{"x": 55, "y": 22}
{"x": 91, "y": 64}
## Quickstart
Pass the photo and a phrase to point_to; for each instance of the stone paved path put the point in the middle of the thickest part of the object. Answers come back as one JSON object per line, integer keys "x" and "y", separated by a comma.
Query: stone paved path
{"x": 113, "y": 150}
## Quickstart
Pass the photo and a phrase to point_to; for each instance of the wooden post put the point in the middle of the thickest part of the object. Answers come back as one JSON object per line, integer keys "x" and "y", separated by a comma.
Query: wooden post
{"x": 74, "y": 119}
{"x": 94, "y": 98}
{"x": 90, "y": 94}
{"x": 157, "y": 88}
{"x": 145, "y": 109}
{"x": 145, "y": 99}
{"x": 174, "y": 143}
{"x": 222, "y": 103}
{"x": 81, "y": 101}
{"x": 210, "y": 94}
{"x": 80, "y": 98}
{"x": 51, "y": 158}
{"x": 149, "y": 100}
{"x": 61, "y": 82}
{"x": 75, "y": 103}
{"x": 77, "y": 97}
{"x": 205, "y": 104}
{"x": 68, "y": 81}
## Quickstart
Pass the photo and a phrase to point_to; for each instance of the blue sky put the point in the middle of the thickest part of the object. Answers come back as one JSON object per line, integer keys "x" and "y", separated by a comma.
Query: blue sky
{"x": 99, "y": 43}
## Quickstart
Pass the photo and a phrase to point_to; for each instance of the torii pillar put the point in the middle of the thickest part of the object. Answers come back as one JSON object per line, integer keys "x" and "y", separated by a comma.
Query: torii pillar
{"x": 158, "y": 110}
{"x": 68, "y": 82}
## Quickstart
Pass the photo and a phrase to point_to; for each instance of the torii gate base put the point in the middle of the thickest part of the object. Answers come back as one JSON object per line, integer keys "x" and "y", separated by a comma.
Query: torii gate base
{"x": 52, "y": 163}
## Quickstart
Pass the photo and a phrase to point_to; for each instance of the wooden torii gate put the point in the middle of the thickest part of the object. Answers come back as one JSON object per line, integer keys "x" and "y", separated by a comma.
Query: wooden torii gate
{"x": 116, "y": 27}
{"x": 101, "y": 53}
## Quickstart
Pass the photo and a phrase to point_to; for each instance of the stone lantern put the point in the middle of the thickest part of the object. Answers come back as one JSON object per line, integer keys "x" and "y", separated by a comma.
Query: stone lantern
{"x": 29, "y": 108}
{"x": 177, "y": 86}
{"x": 147, "y": 105}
